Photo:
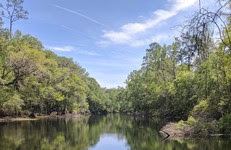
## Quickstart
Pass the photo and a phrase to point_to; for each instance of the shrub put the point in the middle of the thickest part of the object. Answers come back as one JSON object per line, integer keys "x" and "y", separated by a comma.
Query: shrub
{"x": 225, "y": 124}
{"x": 13, "y": 105}
{"x": 200, "y": 110}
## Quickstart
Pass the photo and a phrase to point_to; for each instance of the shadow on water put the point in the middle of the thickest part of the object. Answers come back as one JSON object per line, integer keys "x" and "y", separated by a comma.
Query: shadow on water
{"x": 98, "y": 132}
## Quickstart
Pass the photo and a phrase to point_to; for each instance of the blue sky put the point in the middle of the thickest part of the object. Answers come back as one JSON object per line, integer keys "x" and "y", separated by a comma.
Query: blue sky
{"x": 106, "y": 37}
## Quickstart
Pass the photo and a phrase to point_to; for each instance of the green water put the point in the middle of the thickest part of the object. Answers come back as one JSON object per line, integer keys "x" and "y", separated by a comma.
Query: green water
{"x": 111, "y": 132}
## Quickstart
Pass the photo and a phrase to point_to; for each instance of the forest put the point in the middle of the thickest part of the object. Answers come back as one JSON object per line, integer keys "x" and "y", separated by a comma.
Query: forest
{"x": 187, "y": 81}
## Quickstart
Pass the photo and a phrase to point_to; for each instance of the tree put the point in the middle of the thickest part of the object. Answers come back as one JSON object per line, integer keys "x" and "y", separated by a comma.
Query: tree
{"x": 1, "y": 20}
{"x": 199, "y": 30}
{"x": 21, "y": 63}
{"x": 96, "y": 97}
{"x": 13, "y": 11}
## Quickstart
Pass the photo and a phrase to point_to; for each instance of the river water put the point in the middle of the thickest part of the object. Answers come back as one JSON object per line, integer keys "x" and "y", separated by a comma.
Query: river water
{"x": 110, "y": 132}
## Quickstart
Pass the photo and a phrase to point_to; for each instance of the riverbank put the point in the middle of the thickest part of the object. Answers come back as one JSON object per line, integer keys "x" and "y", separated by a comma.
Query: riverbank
{"x": 10, "y": 119}
{"x": 38, "y": 117}
{"x": 174, "y": 130}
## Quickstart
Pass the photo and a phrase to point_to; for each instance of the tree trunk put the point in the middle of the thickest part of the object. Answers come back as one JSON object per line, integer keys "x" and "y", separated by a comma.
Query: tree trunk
{"x": 11, "y": 27}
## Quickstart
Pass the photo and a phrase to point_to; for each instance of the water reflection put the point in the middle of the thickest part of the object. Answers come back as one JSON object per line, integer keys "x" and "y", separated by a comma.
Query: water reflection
{"x": 112, "y": 142}
{"x": 97, "y": 133}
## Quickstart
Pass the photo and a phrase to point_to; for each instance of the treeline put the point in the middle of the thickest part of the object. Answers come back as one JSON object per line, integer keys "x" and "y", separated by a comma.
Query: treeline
{"x": 188, "y": 80}
{"x": 35, "y": 80}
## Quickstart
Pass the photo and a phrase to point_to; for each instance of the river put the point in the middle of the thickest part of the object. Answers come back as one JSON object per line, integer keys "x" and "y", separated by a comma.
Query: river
{"x": 99, "y": 132}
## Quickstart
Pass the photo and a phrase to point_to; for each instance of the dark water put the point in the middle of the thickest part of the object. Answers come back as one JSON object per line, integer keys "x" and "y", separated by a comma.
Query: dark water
{"x": 111, "y": 132}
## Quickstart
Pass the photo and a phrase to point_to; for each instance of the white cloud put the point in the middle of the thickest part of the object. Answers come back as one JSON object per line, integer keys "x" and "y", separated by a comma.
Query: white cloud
{"x": 157, "y": 38}
{"x": 62, "y": 49}
{"x": 71, "y": 48}
{"x": 133, "y": 28}
{"x": 88, "y": 53}
{"x": 129, "y": 31}
{"x": 182, "y": 4}
{"x": 117, "y": 37}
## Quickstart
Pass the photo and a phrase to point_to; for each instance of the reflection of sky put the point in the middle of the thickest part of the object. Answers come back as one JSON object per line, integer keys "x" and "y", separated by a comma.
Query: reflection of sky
{"x": 111, "y": 142}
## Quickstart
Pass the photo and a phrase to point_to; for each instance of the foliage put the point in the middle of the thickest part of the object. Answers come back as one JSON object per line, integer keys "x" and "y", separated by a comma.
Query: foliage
{"x": 225, "y": 124}
{"x": 13, "y": 11}
{"x": 37, "y": 80}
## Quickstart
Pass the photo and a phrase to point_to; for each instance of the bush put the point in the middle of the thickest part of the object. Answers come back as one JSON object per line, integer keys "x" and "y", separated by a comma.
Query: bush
{"x": 225, "y": 124}
{"x": 13, "y": 105}
{"x": 190, "y": 123}
{"x": 200, "y": 110}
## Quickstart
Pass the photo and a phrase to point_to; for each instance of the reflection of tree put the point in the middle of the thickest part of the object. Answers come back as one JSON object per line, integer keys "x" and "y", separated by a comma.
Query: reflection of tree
{"x": 141, "y": 134}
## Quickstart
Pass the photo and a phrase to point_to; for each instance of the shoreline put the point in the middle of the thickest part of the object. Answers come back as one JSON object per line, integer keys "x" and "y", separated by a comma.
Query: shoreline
{"x": 39, "y": 117}
{"x": 171, "y": 131}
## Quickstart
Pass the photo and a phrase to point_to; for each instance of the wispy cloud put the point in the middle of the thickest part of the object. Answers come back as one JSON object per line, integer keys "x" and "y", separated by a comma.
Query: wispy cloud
{"x": 62, "y": 48}
{"x": 146, "y": 41}
{"x": 79, "y": 14}
{"x": 89, "y": 53}
{"x": 128, "y": 32}
{"x": 72, "y": 49}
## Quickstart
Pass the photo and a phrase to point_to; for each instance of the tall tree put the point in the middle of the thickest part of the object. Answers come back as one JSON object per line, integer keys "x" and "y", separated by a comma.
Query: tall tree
{"x": 13, "y": 11}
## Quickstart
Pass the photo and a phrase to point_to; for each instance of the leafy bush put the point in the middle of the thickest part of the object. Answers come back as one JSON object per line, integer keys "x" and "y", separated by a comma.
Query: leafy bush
{"x": 190, "y": 123}
{"x": 200, "y": 110}
{"x": 225, "y": 124}
{"x": 13, "y": 105}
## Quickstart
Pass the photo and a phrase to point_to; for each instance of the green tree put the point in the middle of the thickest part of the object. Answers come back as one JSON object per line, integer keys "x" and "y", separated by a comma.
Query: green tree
{"x": 13, "y": 11}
